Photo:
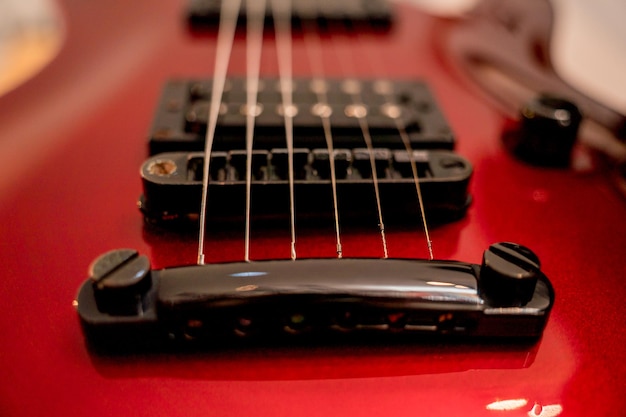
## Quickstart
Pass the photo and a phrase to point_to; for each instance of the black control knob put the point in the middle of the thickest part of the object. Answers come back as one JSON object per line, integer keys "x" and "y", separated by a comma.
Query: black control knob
{"x": 547, "y": 132}
{"x": 508, "y": 275}
{"x": 120, "y": 279}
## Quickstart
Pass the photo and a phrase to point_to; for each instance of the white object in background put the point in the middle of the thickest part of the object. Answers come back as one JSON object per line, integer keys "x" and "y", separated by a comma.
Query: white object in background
{"x": 30, "y": 36}
{"x": 588, "y": 45}
{"x": 589, "y": 48}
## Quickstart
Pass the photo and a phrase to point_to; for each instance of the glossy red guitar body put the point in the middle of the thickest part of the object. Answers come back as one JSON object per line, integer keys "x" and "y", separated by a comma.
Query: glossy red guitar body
{"x": 73, "y": 139}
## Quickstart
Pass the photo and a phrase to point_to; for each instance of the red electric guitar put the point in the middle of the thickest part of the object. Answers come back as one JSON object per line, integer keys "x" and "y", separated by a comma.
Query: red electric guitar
{"x": 77, "y": 134}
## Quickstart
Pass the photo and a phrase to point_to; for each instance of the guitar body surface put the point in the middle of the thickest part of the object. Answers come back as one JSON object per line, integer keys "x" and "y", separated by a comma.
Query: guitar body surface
{"x": 73, "y": 139}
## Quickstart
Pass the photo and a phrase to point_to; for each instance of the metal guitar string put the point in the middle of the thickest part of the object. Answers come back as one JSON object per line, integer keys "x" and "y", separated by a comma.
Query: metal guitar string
{"x": 281, "y": 13}
{"x": 229, "y": 13}
{"x": 358, "y": 110}
{"x": 255, "y": 11}
{"x": 324, "y": 111}
{"x": 395, "y": 115}
{"x": 362, "y": 118}
{"x": 405, "y": 139}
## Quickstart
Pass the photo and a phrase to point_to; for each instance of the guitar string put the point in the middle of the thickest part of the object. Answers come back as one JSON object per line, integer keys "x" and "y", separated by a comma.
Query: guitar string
{"x": 404, "y": 136}
{"x": 283, "y": 39}
{"x": 416, "y": 180}
{"x": 255, "y": 11}
{"x": 229, "y": 12}
{"x": 281, "y": 13}
{"x": 324, "y": 111}
{"x": 359, "y": 111}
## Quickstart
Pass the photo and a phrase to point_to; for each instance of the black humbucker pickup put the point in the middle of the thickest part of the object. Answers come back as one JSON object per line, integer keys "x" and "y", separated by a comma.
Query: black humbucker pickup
{"x": 376, "y": 14}
{"x": 181, "y": 117}
{"x": 172, "y": 185}
{"x": 127, "y": 305}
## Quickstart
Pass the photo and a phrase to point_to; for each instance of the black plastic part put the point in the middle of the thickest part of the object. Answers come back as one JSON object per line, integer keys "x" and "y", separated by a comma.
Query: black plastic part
{"x": 119, "y": 279}
{"x": 547, "y": 132}
{"x": 171, "y": 197}
{"x": 322, "y": 299}
{"x": 181, "y": 117}
{"x": 509, "y": 274}
{"x": 374, "y": 14}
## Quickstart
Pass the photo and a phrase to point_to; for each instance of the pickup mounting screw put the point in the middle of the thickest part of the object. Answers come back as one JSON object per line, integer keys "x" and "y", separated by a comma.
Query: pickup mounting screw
{"x": 162, "y": 167}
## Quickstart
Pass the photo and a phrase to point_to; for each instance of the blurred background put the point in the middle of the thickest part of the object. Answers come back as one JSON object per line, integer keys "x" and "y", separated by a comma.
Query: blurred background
{"x": 588, "y": 45}
{"x": 31, "y": 33}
